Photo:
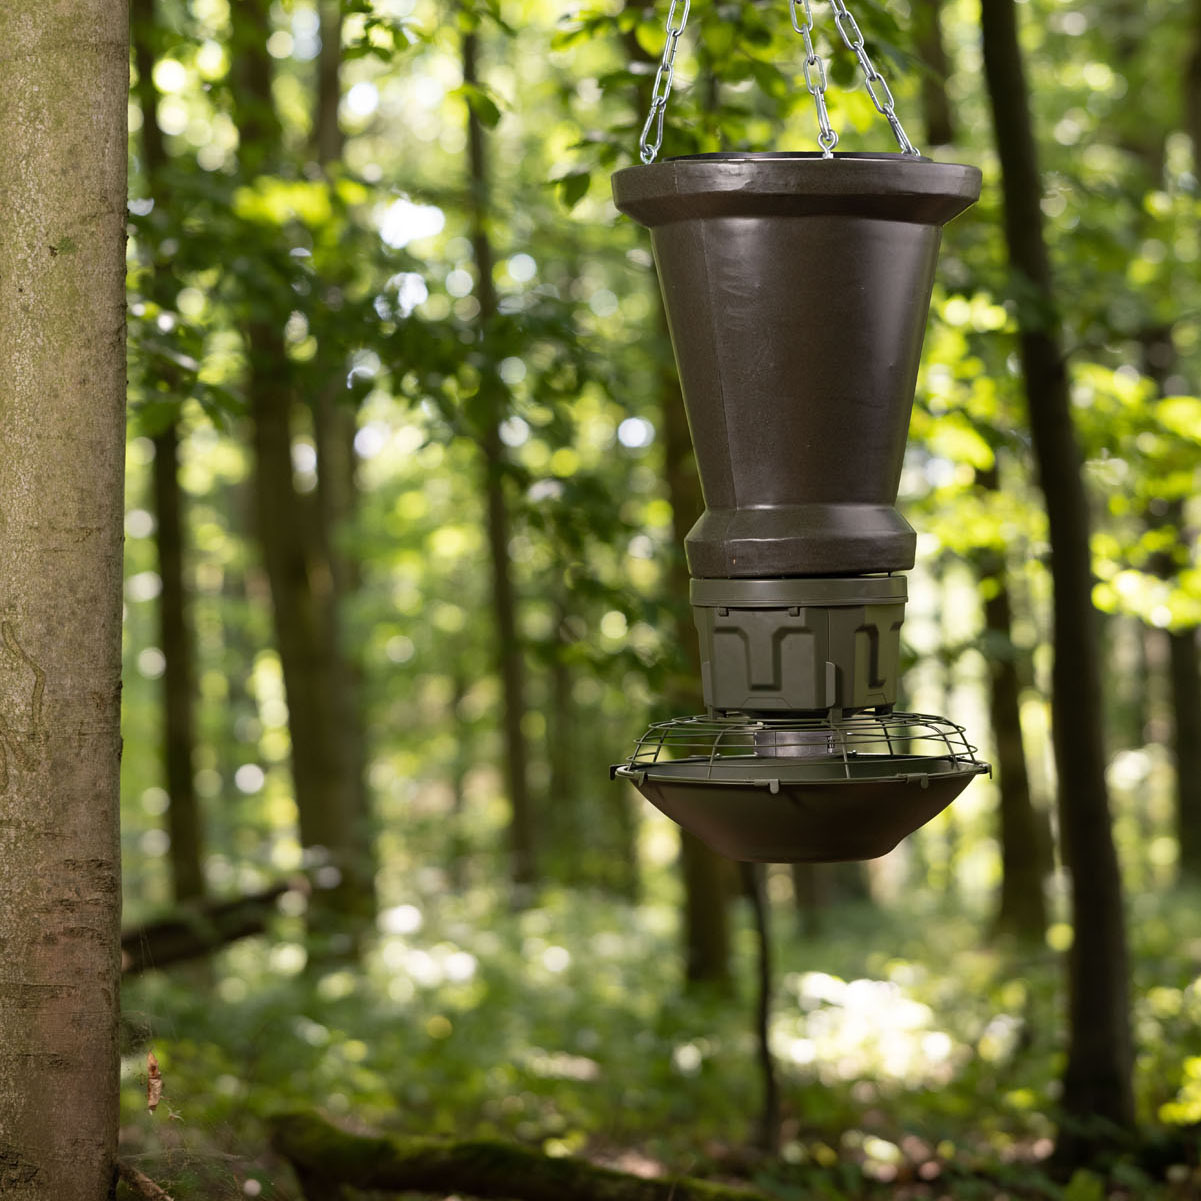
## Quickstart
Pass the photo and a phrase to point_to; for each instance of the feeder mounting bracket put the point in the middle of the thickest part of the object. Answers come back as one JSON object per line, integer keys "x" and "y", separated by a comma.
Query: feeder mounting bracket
{"x": 651, "y": 138}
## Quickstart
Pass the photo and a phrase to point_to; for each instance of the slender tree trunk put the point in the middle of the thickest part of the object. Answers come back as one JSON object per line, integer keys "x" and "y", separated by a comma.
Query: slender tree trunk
{"x": 175, "y": 640}
{"x": 767, "y": 1132}
{"x": 1184, "y": 661}
{"x": 1097, "y": 1087}
{"x": 937, "y": 113}
{"x": 811, "y": 894}
{"x": 1185, "y": 668}
{"x": 1192, "y": 89}
{"x": 1025, "y": 850}
{"x": 328, "y": 141}
{"x": 562, "y": 822}
{"x": 335, "y": 423}
{"x": 184, "y": 822}
{"x": 509, "y": 650}
{"x": 1025, "y": 853}
{"x": 459, "y": 767}
{"x": 63, "y": 137}
{"x": 342, "y": 904}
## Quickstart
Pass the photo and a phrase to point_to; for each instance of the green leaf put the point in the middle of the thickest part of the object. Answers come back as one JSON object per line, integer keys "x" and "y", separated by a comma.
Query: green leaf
{"x": 484, "y": 108}
{"x": 573, "y": 188}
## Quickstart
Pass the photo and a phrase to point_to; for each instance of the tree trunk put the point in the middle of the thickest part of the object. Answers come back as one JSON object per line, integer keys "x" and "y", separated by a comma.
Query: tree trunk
{"x": 1185, "y": 667}
{"x": 175, "y": 640}
{"x": 1184, "y": 662}
{"x": 1097, "y": 1089}
{"x": 342, "y": 904}
{"x": 175, "y": 634}
{"x": 328, "y": 141}
{"x": 62, "y": 427}
{"x": 1025, "y": 853}
{"x": 509, "y": 650}
{"x": 937, "y": 113}
{"x": 335, "y": 423}
{"x": 767, "y": 1129}
{"x": 562, "y": 822}
{"x": 1025, "y": 848}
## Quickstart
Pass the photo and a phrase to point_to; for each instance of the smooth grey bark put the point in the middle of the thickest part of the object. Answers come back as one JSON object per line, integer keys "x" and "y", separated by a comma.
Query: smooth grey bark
{"x": 65, "y": 67}
{"x": 1097, "y": 1083}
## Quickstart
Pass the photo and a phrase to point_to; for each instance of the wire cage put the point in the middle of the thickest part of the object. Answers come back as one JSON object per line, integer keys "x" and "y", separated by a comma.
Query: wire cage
{"x": 803, "y": 789}
{"x": 849, "y": 747}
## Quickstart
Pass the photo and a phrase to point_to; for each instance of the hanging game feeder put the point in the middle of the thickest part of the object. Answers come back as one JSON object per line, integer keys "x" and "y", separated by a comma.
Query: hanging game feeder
{"x": 797, "y": 287}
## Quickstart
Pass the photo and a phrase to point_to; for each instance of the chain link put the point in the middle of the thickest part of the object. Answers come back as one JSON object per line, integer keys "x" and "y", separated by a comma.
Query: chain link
{"x": 651, "y": 138}
{"x": 827, "y": 139}
{"x": 877, "y": 86}
{"x": 648, "y": 149}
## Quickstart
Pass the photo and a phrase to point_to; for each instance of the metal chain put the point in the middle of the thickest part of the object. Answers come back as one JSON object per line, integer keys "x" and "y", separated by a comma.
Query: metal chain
{"x": 648, "y": 149}
{"x": 882, "y": 99}
{"x": 815, "y": 77}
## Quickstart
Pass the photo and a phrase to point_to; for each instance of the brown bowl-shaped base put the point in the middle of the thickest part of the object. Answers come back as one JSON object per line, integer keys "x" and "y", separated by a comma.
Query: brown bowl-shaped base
{"x": 751, "y": 810}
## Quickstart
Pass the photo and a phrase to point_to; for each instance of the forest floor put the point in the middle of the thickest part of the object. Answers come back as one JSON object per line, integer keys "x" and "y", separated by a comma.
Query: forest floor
{"x": 915, "y": 1059}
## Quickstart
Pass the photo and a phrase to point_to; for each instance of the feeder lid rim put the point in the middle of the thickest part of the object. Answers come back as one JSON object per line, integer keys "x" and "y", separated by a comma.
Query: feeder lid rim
{"x": 734, "y": 156}
{"x": 891, "y": 187}
{"x": 761, "y": 771}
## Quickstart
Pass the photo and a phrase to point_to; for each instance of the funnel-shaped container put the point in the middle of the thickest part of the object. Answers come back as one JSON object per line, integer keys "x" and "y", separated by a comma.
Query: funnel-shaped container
{"x": 797, "y": 289}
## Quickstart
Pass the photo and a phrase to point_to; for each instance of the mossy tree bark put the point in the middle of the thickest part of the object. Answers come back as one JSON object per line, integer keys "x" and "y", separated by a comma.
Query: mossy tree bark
{"x": 1097, "y": 1082}
{"x": 184, "y": 822}
{"x": 510, "y": 652}
{"x": 342, "y": 905}
{"x": 65, "y": 65}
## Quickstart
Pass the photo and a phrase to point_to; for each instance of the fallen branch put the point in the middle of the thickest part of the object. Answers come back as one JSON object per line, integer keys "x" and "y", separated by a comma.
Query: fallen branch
{"x": 198, "y": 929}
{"x": 141, "y": 1183}
{"x": 326, "y": 1158}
